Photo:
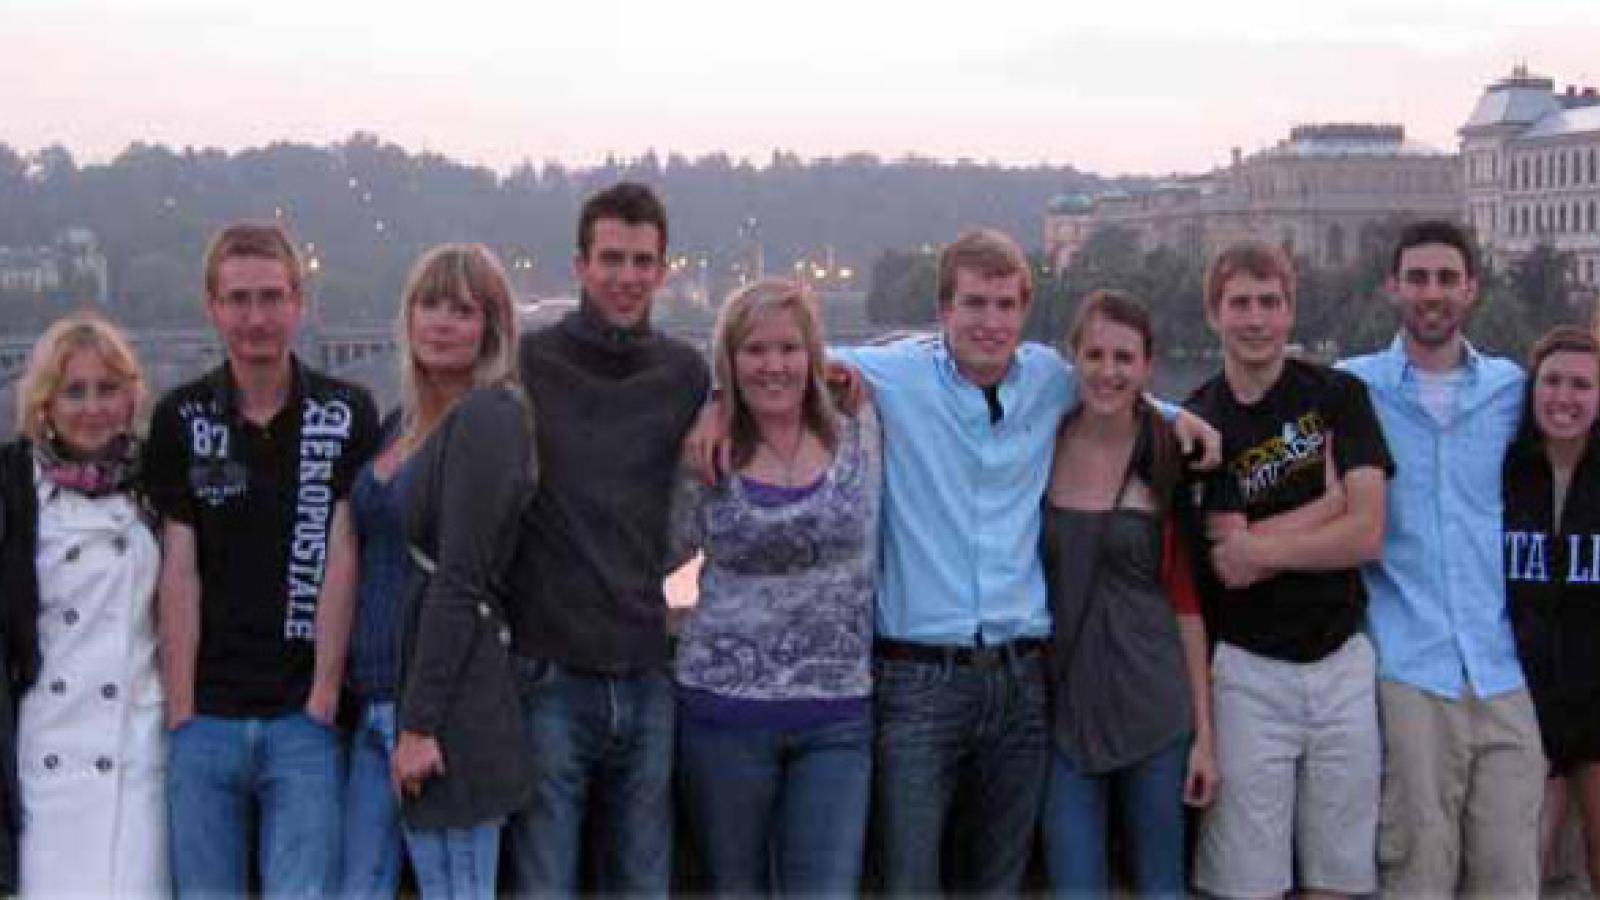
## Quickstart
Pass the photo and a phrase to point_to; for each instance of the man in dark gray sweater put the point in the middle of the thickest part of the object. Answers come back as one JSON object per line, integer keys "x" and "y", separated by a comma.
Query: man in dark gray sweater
{"x": 613, "y": 399}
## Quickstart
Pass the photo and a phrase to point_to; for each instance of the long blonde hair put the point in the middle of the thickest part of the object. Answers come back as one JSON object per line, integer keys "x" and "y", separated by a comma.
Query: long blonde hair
{"x": 734, "y": 325}
{"x": 47, "y": 363}
{"x": 458, "y": 270}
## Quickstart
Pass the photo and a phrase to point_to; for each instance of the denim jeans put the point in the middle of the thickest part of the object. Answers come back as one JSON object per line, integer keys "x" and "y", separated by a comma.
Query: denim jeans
{"x": 1149, "y": 796}
{"x": 778, "y": 802}
{"x": 285, "y": 772}
{"x": 961, "y": 757}
{"x": 448, "y": 862}
{"x": 602, "y": 745}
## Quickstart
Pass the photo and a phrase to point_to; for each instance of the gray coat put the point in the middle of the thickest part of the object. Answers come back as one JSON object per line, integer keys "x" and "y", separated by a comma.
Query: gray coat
{"x": 475, "y": 476}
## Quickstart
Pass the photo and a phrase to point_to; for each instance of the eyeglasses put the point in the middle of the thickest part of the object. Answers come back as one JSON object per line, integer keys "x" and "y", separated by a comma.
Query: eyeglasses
{"x": 1421, "y": 278}
{"x": 266, "y": 300}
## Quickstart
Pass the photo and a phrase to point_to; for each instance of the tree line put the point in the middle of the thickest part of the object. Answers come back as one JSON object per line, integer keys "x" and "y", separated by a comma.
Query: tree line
{"x": 1340, "y": 311}
{"x": 366, "y": 208}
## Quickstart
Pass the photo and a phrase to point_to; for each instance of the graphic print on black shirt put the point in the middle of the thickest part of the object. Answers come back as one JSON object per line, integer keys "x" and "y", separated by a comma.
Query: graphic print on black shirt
{"x": 261, "y": 501}
{"x": 1295, "y": 450}
{"x": 1274, "y": 459}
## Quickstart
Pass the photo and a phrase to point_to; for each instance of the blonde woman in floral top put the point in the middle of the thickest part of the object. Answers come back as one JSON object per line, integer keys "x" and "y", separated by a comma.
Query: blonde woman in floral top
{"x": 773, "y": 671}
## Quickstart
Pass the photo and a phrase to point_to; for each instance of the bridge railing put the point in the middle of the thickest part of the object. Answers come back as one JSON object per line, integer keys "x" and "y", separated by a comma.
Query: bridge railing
{"x": 330, "y": 349}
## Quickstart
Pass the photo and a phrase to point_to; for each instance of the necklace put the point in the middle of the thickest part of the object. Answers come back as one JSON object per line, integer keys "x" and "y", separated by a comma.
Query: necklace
{"x": 789, "y": 460}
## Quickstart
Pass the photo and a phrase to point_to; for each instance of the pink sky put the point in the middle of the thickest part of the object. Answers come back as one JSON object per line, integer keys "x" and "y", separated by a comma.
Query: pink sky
{"x": 1123, "y": 87}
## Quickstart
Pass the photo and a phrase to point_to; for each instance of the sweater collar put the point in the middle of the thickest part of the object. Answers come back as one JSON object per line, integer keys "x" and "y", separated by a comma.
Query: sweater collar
{"x": 588, "y": 327}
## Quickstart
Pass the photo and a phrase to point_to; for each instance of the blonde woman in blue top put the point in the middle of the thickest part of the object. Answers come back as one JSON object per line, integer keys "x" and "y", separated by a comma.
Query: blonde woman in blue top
{"x": 458, "y": 329}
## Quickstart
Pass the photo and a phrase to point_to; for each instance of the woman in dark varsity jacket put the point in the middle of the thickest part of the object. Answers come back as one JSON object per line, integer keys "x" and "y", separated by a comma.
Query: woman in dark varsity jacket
{"x": 1552, "y": 560}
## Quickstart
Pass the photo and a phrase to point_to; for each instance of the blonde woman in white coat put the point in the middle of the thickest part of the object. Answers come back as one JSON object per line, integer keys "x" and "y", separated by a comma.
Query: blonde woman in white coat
{"x": 90, "y": 741}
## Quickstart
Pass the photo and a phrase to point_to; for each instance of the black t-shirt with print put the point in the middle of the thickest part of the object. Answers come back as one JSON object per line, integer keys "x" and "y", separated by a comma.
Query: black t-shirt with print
{"x": 1273, "y": 458}
{"x": 261, "y": 502}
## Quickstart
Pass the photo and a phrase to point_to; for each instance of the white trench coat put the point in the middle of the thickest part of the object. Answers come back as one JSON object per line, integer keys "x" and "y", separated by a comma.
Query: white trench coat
{"x": 91, "y": 741}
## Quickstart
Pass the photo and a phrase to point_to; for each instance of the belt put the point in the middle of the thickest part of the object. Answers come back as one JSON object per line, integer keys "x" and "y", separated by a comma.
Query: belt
{"x": 975, "y": 657}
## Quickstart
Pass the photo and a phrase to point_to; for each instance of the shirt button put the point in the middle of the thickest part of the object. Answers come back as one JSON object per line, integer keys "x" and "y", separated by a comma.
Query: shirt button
{"x": 108, "y": 691}
{"x": 74, "y": 552}
{"x": 70, "y": 617}
{"x": 120, "y": 543}
{"x": 51, "y": 760}
{"x": 59, "y": 686}
{"x": 103, "y": 764}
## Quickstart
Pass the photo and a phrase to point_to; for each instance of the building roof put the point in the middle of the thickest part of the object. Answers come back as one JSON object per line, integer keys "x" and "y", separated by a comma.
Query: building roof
{"x": 1583, "y": 120}
{"x": 1512, "y": 103}
{"x": 1350, "y": 139}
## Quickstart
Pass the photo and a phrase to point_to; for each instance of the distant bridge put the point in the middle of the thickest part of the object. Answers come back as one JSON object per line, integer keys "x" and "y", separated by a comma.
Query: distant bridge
{"x": 364, "y": 353}
{"x": 192, "y": 350}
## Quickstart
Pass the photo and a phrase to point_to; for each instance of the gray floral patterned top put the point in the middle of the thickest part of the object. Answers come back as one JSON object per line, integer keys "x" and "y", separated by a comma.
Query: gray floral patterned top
{"x": 786, "y": 591}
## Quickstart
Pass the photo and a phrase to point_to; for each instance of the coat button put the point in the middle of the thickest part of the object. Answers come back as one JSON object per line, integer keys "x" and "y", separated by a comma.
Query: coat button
{"x": 108, "y": 691}
{"x": 483, "y": 610}
{"x": 51, "y": 760}
{"x": 505, "y": 636}
{"x": 120, "y": 544}
{"x": 103, "y": 764}
{"x": 70, "y": 617}
{"x": 59, "y": 686}
{"x": 74, "y": 552}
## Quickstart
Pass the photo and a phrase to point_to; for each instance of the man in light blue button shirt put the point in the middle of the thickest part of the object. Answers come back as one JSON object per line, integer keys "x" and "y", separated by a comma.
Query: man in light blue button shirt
{"x": 1464, "y": 768}
{"x": 969, "y": 421}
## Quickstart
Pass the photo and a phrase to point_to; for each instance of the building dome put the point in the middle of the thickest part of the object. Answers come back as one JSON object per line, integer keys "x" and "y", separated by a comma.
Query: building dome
{"x": 1071, "y": 205}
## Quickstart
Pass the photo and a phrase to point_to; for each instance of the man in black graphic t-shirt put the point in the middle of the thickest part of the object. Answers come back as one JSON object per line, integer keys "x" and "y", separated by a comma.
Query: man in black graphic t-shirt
{"x": 1276, "y": 456}
{"x": 249, "y": 467}
{"x": 1297, "y": 504}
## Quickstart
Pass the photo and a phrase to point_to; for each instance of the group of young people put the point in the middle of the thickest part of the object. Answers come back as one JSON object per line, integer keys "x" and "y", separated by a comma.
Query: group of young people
{"x": 964, "y": 590}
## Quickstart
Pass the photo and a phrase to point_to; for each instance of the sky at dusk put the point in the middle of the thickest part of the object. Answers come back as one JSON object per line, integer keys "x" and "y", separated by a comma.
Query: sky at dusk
{"x": 1108, "y": 86}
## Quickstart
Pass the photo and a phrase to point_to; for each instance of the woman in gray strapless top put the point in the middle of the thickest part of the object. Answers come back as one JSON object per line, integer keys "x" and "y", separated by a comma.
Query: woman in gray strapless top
{"x": 1132, "y": 716}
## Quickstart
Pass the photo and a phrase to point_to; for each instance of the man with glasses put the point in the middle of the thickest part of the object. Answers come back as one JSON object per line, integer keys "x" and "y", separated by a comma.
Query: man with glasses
{"x": 1464, "y": 769}
{"x": 249, "y": 467}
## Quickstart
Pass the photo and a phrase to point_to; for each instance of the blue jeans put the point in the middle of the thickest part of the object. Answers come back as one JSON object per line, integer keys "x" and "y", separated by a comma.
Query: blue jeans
{"x": 286, "y": 773}
{"x": 448, "y": 862}
{"x": 602, "y": 745}
{"x": 1149, "y": 798}
{"x": 961, "y": 757}
{"x": 767, "y": 801}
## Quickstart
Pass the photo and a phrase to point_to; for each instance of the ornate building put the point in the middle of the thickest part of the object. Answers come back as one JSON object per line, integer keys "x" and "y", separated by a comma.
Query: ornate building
{"x": 72, "y": 262}
{"x": 1532, "y": 162}
{"x": 1316, "y": 192}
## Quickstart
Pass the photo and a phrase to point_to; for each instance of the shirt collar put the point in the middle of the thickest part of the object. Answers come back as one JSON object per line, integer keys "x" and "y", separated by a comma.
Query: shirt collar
{"x": 226, "y": 389}
{"x": 1400, "y": 369}
{"x": 947, "y": 363}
